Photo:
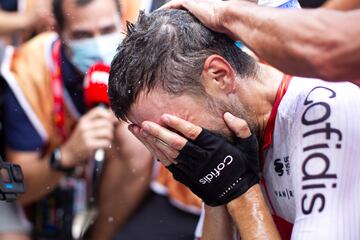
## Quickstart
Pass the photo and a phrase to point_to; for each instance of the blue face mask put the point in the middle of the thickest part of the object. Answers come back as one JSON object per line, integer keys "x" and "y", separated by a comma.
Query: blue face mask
{"x": 86, "y": 52}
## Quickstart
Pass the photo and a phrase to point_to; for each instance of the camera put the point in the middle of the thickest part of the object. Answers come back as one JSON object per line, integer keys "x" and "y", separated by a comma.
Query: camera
{"x": 11, "y": 181}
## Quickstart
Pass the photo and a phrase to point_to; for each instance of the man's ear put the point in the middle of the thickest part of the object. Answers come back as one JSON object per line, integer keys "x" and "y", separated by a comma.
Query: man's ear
{"x": 218, "y": 75}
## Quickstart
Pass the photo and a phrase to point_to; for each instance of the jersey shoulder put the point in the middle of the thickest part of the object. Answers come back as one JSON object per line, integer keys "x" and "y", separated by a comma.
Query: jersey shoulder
{"x": 316, "y": 97}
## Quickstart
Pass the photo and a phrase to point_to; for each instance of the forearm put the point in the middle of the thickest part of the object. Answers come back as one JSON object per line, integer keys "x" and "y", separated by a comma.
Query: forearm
{"x": 11, "y": 22}
{"x": 252, "y": 217}
{"x": 217, "y": 224}
{"x": 309, "y": 43}
{"x": 124, "y": 184}
{"x": 39, "y": 178}
{"x": 120, "y": 194}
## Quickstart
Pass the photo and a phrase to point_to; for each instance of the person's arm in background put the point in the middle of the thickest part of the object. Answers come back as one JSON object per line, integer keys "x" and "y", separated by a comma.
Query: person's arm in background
{"x": 310, "y": 43}
{"x": 39, "y": 178}
{"x": 94, "y": 130}
{"x": 36, "y": 17}
{"x": 12, "y": 21}
{"x": 124, "y": 184}
{"x": 342, "y": 4}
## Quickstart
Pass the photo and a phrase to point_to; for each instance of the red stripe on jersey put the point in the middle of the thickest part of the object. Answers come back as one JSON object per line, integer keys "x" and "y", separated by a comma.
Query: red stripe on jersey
{"x": 284, "y": 227}
{"x": 269, "y": 129}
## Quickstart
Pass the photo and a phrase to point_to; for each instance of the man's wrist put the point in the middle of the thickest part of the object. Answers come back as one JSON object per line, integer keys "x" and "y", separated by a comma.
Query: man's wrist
{"x": 222, "y": 14}
{"x": 229, "y": 16}
{"x": 58, "y": 163}
{"x": 246, "y": 200}
{"x": 66, "y": 157}
{"x": 252, "y": 216}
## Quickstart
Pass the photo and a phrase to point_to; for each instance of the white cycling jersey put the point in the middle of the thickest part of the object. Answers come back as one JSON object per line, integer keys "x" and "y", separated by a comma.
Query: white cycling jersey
{"x": 311, "y": 160}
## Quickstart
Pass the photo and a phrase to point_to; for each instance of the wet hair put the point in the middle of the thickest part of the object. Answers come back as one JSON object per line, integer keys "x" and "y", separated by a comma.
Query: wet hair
{"x": 168, "y": 49}
{"x": 58, "y": 10}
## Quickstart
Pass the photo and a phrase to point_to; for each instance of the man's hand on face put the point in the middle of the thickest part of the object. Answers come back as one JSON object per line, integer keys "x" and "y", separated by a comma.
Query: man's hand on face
{"x": 94, "y": 130}
{"x": 214, "y": 169}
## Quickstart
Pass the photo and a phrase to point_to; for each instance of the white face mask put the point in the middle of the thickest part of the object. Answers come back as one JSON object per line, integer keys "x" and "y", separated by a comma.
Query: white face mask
{"x": 86, "y": 52}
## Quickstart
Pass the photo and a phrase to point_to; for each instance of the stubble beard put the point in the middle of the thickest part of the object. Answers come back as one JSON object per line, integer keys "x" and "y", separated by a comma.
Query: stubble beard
{"x": 217, "y": 109}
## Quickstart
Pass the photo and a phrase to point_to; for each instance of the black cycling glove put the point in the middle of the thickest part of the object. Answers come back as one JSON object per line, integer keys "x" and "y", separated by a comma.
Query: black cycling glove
{"x": 216, "y": 170}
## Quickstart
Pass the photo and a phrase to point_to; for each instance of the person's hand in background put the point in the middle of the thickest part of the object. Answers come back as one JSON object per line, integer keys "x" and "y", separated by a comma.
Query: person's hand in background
{"x": 95, "y": 130}
{"x": 39, "y": 15}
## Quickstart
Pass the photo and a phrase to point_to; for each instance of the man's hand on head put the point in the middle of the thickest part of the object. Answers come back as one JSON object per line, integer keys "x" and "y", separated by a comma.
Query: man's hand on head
{"x": 214, "y": 169}
{"x": 207, "y": 11}
{"x": 211, "y": 13}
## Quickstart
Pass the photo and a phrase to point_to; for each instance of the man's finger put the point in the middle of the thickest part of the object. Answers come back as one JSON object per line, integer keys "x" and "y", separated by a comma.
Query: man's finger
{"x": 170, "y": 138}
{"x": 237, "y": 125}
{"x": 169, "y": 152}
{"x": 186, "y": 128}
{"x": 136, "y": 131}
{"x": 166, "y": 154}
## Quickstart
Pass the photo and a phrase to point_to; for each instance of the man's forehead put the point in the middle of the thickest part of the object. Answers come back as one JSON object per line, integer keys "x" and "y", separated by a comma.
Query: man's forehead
{"x": 149, "y": 106}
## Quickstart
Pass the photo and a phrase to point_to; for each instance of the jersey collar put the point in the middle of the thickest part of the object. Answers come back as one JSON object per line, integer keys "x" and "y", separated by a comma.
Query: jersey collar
{"x": 269, "y": 129}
